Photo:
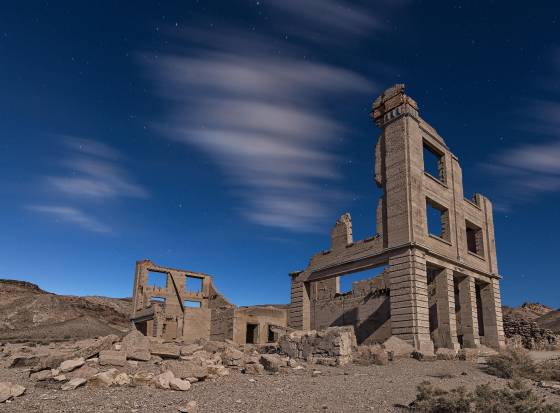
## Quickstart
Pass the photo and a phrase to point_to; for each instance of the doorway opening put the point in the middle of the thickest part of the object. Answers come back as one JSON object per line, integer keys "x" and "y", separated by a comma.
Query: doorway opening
{"x": 252, "y": 333}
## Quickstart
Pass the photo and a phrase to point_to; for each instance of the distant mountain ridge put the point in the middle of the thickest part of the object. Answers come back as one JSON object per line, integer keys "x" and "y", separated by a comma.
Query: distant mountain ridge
{"x": 28, "y": 313}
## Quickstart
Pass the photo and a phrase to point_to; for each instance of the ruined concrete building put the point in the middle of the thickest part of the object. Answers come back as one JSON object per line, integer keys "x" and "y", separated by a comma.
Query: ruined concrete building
{"x": 440, "y": 286}
{"x": 183, "y": 305}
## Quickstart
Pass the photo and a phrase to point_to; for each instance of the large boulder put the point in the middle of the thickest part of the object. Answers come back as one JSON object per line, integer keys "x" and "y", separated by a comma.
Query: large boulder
{"x": 136, "y": 346}
{"x": 112, "y": 358}
{"x": 398, "y": 348}
{"x": 232, "y": 357}
{"x": 165, "y": 350}
{"x": 272, "y": 362}
{"x": 185, "y": 369}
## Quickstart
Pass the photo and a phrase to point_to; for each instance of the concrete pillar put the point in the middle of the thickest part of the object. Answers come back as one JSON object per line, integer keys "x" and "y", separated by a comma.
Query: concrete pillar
{"x": 446, "y": 335}
{"x": 299, "y": 312}
{"x": 492, "y": 314}
{"x": 469, "y": 315}
{"x": 409, "y": 299}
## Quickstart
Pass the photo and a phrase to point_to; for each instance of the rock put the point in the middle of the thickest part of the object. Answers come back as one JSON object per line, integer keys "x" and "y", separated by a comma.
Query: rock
{"x": 190, "y": 349}
{"x": 165, "y": 351}
{"x": 232, "y": 357}
{"x": 122, "y": 379}
{"x": 112, "y": 358}
{"x": 253, "y": 368}
{"x": 316, "y": 373}
{"x": 272, "y": 362}
{"x": 41, "y": 375}
{"x": 17, "y": 390}
{"x": 136, "y": 346}
{"x": 397, "y": 348}
{"x": 468, "y": 354}
{"x": 218, "y": 370}
{"x": 69, "y": 365}
{"x": 59, "y": 377}
{"x": 105, "y": 378}
{"x": 292, "y": 363}
{"x": 85, "y": 372}
{"x": 446, "y": 354}
{"x": 161, "y": 381}
{"x": 5, "y": 391}
{"x": 187, "y": 368}
{"x": 132, "y": 363}
{"x": 22, "y": 360}
{"x": 371, "y": 355}
{"x": 10, "y": 390}
{"x": 179, "y": 385}
{"x": 188, "y": 407}
{"x": 90, "y": 348}
{"x": 73, "y": 384}
{"x": 142, "y": 378}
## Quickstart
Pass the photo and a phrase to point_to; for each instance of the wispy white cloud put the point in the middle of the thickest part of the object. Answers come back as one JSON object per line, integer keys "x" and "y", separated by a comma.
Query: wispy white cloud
{"x": 71, "y": 215}
{"x": 93, "y": 171}
{"x": 262, "y": 120}
{"x": 329, "y": 20}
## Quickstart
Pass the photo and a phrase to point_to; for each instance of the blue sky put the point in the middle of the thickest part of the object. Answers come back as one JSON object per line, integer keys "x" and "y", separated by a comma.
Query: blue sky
{"x": 227, "y": 137}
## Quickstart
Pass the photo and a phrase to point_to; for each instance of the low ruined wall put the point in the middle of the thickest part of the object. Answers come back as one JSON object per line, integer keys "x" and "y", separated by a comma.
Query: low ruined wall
{"x": 366, "y": 308}
{"x": 528, "y": 334}
{"x": 221, "y": 323}
{"x": 334, "y": 346}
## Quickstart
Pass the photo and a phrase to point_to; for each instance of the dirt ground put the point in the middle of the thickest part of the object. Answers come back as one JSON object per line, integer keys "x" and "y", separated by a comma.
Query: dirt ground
{"x": 351, "y": 388}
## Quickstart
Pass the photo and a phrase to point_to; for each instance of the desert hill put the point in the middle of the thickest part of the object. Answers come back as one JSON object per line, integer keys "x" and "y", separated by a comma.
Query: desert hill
{"x": 28, "y": 313}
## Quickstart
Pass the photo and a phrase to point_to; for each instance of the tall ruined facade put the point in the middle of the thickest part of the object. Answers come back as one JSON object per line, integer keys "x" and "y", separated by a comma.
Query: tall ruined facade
{"x": 440, "y": 287}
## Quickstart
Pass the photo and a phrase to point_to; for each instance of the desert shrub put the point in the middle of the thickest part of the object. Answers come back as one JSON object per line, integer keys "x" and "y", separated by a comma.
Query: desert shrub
{"x": 511, "y": 363}
{"x": 516, "y": 398}
{"x": 548, "y": 370}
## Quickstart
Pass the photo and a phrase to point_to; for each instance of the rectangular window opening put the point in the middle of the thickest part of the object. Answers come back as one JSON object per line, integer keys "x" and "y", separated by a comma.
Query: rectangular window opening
{"x": 474, "y": 238}
{"x": 271, "y": 335}
{"x": 193, "y": 284}
{"x": 157, "y": 279}
{"x": 358, "y": 280}
{"x": 438, "y": 220}
{"x": 434, "y": 162}
{"x": 157, "y": 300}
{"x": 192, "y": 304}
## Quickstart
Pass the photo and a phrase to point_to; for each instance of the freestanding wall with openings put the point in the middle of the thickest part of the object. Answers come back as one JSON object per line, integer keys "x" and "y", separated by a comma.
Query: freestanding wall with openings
{"x": 440, "y": 287}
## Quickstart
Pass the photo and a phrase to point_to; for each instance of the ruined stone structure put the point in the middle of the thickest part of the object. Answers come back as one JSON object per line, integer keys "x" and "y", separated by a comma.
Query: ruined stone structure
{"x": 185, "y": 306}
{"x": 441, "y": 284}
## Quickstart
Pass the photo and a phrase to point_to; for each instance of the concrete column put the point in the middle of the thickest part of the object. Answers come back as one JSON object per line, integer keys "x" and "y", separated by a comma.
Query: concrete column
{"x": 446, "y": 335}
{"x": 492, "y": 314}
{"x": 469, "y": 315}
{"x": 409, "y": 299}
{"x": 299, "y": 312}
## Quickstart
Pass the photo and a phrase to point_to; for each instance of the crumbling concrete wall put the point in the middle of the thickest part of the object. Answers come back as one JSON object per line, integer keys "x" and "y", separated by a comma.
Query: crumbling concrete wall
{"x": 366, "y": 308}
{"x": 461, "y": 305}
{"x": 166, "y": 312}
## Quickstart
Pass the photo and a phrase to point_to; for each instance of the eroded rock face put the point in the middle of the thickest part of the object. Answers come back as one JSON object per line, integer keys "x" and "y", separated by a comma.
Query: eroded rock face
{"x": 333, "y": 346}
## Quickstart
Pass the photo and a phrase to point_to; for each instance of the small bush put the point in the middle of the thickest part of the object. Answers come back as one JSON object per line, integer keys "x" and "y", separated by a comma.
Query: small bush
{"x": 549, "y": 370}
{"x": 516, "y": 398}
{"x": 512, "y": 363}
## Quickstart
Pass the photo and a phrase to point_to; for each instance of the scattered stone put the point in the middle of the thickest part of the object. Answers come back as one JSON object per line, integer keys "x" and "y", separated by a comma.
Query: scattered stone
{"x": 122, "y": 379}
{"x": 232, "y": 357}
{"x": 105, "y": 378}
{"x": 90, "y": 348}
{"x": 70, "y": 365}
{"x": 161, "y": 381}
{"x": 85, "y": 372}
{"x": 142, "y": 378}
{"x": 397, "y": 348}
{"x": 166, "y": 351}
{"x": 59, "y": 377}
{"x": 316, "y": 373}
{"x": 190, "y": 349}
{"x": 17, "y": 390}
{"x": 371, "y": 355}
{"x": 136, "y": 346}
{"x": 187, "y": 368}
{"x": 112, "y": 358}
{"x": 22, "y": 360}
{"x": 272, "y": 362}
{"x": 74, "y": 384}
{"x": 41, "y": 375}
{"x": 188, "y": 407}
{"x": 179, "y": 385}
